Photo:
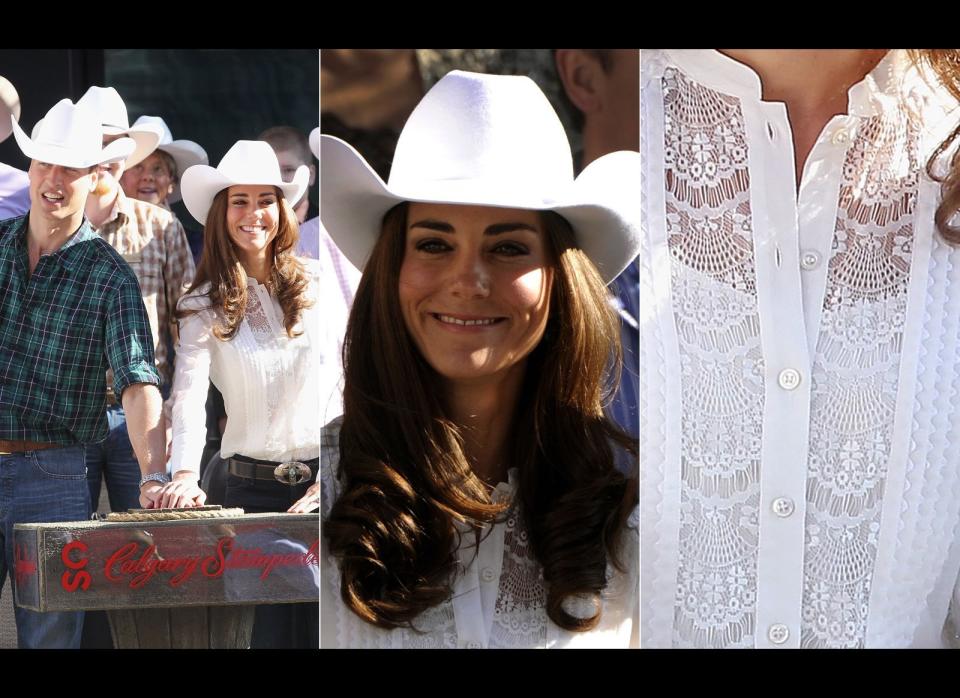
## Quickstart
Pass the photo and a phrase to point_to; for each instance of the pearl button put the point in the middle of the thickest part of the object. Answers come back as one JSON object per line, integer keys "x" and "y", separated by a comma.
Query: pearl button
{"x": 789, "y": 378}
{"x": 783, "y": 507}
{"x": 474, "y": 645}
{"x": 778, "y": 633}
{"x": 810, "y": 259}
{"x": 486, "y": 574}
{"x": 841, "y": 137}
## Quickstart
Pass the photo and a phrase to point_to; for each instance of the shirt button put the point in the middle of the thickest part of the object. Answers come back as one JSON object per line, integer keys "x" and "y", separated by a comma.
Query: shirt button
{"x": 486, "y": 574}
{"x": 474, "y": 645}
{"x": 810, "y": 259}
{"x": 840, "y": 137}
{"x": 783, "y": 507}
{"x": 778, "y": 633}
{"x": 789, "y": 378}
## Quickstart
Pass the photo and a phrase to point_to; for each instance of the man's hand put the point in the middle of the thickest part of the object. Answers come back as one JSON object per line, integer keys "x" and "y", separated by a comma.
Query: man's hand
{"x": 308, "y": 502}
{"x": 182, "y": 492}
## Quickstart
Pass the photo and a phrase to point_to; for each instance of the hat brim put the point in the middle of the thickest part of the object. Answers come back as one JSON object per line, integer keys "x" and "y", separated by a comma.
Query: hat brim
{"x": 9, "y": 105}
{"x": 146, "y": 136}
{"x": 186, "y": 154}
{"x": 68, "y": 157}
{"x": 602, "y": 206}
{"x": 201, "y": 183}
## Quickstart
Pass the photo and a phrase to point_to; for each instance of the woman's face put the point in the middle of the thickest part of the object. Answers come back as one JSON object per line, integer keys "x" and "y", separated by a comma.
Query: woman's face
{"x": 149, "y": 181}
{"x": 253, "y": 217}
{"x": 474, "y": 287}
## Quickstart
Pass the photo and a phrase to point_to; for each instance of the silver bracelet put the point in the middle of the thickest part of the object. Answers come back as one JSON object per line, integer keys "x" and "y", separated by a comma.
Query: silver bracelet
{"x": 162, "y": 478}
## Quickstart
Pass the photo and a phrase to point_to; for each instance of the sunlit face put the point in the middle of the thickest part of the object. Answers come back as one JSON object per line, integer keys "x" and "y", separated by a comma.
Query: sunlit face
{"x": 474, "y": 287}
{"x": 110, "y": 173}
{"x": 60, "y": 192}
{"x": 149, "y": 181}
{"x": 253, "y": 217}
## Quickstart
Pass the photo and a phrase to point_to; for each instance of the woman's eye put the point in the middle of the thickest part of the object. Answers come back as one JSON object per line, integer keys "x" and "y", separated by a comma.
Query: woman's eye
{"x": 511, "y": 249}
{"x": 432, "y": 246}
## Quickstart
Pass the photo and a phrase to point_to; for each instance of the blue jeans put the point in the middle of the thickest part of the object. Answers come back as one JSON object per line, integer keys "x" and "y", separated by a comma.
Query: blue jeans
{"x": 115, "y": 461}
{"x": 37, "y": 487}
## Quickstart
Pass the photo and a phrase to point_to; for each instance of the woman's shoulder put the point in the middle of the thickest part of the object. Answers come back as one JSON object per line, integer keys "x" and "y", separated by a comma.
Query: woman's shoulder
{"x": 197, "y": 299}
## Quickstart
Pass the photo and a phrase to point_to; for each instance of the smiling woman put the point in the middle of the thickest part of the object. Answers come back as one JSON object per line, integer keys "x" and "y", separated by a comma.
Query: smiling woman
{"x": 470, "y": 497}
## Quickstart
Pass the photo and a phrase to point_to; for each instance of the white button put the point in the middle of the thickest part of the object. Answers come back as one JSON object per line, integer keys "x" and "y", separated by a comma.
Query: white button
{"x": 486, "y": 574}
{"x": 789, "y": 378}
{"x": 474, "y": 645}
{"x": 782, "y": 507}
{"x": 778, "y": 633}
{"x": 810, "y": 259}
{"x": 840, "y": 137}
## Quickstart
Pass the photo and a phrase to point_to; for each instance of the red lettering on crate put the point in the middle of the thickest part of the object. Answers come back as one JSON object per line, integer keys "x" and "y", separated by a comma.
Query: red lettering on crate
{"x": 23, "y": 567}
{"x": 79, "y": 578}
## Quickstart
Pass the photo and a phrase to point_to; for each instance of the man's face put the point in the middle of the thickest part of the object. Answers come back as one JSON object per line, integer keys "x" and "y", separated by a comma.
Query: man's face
{"x": 110, "y": 173}
{"x": 289, "y": 162}
{"x": 60, "y": 192}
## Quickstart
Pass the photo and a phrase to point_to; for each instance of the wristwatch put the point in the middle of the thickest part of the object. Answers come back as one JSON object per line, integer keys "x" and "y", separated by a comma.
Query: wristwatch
{"x": 162, "y": 478}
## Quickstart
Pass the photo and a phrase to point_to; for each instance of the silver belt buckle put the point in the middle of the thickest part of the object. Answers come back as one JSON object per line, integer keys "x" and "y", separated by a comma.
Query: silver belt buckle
{"x": 292, "y": 472}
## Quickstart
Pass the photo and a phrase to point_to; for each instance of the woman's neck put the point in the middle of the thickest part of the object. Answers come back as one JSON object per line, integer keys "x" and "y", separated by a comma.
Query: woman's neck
{"x": 257, "y": 267}
{"x": 484, "y": 410}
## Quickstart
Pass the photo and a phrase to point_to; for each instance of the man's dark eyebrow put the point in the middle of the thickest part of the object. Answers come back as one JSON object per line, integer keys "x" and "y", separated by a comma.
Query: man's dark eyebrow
{"x": 431, "y": 224}
{"x": 501, "y": 228}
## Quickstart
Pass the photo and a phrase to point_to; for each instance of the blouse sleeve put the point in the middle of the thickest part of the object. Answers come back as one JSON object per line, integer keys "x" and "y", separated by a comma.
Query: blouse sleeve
{"x": 190, "y": 385}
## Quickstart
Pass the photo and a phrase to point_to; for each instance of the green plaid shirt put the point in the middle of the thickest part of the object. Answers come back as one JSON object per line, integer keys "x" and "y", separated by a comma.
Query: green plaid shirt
{"x": 60, "y": 329}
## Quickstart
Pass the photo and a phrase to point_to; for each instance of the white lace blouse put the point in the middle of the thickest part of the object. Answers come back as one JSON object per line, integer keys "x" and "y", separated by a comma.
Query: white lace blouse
{"x": 498, "y": 597}
{"x": 268, "y": 380}
{"x": 800, "y": 359}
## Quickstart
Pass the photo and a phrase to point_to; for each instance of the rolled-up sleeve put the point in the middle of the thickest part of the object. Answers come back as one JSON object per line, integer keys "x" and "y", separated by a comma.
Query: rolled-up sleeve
{"x": 129, "y": 341}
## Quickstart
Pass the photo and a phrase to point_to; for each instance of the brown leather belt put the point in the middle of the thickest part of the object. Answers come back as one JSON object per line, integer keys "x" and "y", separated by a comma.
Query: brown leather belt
{"x": 8, "y": 447}
{"x": 289, "y": 473}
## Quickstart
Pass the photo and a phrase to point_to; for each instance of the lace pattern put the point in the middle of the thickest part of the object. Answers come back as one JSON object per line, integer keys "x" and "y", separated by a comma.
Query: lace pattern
{"x": 520, "y": 612}
{"x": 713, "y": 281}
{"x": 266, "y": 335}
{"x": 855, "y": 379}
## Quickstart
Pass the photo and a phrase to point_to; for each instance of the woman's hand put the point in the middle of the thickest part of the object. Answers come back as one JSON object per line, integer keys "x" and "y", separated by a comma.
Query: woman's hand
{"x": 183, "y": 491}
{"x": 308, "y": 502}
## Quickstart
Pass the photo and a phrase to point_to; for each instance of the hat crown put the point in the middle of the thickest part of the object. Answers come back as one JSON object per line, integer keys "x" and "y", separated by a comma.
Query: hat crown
{"x": 107, "y": 105}
{"x": 250, "y": 162}
{"x": 166, "y": 136}
{"x": 71, "y": 127}
{"x": 497, "y": 129}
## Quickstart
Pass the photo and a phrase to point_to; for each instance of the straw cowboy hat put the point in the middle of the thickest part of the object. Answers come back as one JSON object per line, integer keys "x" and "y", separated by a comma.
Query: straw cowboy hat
{"x": 247, "y": 162}
{"x": 9, "y": 106}
{"x": 486, "y": 140}
{"x": 185, "y": 153}
{"x": 106, "y": 102}
{"x": 69, "y": 135}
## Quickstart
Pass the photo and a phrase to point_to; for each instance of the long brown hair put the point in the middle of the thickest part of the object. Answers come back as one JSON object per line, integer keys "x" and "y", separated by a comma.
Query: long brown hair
{"x": 407, "y": 479}
{"x": 220, "y": 266}
{"x": 945, "y": 63}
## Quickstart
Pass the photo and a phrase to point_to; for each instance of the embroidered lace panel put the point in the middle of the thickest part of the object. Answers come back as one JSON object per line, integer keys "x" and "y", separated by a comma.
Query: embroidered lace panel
{"x": 855, "y": 379}
{"x": 713, "y": 282}
{"x": 265, "y": 335}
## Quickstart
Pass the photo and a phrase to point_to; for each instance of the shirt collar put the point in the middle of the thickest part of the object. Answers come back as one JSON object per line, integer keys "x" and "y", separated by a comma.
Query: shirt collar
{"x": 17, "y": 236}
{"x": 122, "y": 205}
{"x": 881, "y": 87}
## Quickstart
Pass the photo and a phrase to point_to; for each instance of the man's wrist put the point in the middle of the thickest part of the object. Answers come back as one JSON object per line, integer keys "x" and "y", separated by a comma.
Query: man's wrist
{"x": 160, "y": 478}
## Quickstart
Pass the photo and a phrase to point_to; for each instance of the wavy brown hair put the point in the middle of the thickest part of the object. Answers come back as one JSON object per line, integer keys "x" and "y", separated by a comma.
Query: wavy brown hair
{"x": 408, "y": 482}
{"x": 945, "y": 63}
{"x": 220, "y": 265}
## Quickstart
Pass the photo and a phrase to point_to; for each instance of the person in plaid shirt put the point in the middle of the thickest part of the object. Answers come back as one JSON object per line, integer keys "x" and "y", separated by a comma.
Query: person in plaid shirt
{"x": 152, "y": 241}
{"x": 70, "y": 308}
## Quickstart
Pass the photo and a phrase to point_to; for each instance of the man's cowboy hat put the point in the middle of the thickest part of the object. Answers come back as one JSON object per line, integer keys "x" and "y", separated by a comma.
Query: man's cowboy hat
{"x": 486, "y": 140}
{"x": 315, "y": 142}
{"x": 106, "y": 102}
{"x": 9, "y": 105}
{"x": 70, "y": 136}
{"x": 247, "y": 162}
{"x": 184, "y": 153}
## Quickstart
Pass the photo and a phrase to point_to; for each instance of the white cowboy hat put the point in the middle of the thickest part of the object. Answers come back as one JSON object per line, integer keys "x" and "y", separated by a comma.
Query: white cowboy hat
{"x": 185, "y": 153}
{"x": 9, "y": 105}
{"x": 486, "y": 140}
{"x": 315, "y": 142}
{"x": 247, "y": 162}
{"x": 106, "y": 102}
{"x": 69, "y": 135}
